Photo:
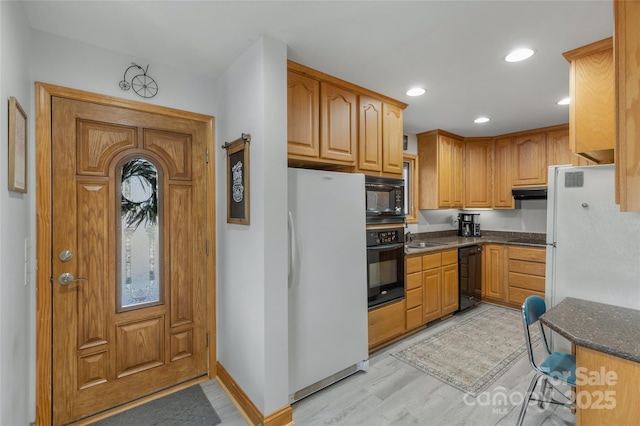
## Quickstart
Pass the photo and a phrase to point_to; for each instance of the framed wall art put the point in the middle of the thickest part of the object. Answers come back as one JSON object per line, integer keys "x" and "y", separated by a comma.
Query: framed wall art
{"x": 17, "y": 147}
{"x": 238, "y": 180}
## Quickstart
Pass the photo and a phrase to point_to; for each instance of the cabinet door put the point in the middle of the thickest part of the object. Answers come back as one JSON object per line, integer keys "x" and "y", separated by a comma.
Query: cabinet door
{"x": 502, "y": 197}
{"x": 558, "y": 150}
{"x": 386, "y": 322}
{"x": 493, "y": 267}
{"x": 338, "y": 132}
{"x": 477, "y": 173}
{"x": 303, "y": 118}
{"x": 392, "y": 139}
{"x": 445, "y": 172}
{"x": 457, "y": 172}
{"x": 591, "y": 112}
{"x": 370, "y": 135}
{"x": 431, "y": 306}
{"x": 449, "y": 289}
{"x": 530, "y": 160}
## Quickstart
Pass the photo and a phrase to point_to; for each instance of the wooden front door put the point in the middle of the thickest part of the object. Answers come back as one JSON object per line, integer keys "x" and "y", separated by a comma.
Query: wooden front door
{"x": 129, "y": 224}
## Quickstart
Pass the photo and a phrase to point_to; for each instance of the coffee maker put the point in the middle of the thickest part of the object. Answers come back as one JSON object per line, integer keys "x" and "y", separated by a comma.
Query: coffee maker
{"x": 469, "y": 224}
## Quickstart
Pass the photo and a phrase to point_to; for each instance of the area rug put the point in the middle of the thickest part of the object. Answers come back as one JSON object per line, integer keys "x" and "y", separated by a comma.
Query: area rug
{"x": 189, "y": 406}
{"x": 472, "y": 354}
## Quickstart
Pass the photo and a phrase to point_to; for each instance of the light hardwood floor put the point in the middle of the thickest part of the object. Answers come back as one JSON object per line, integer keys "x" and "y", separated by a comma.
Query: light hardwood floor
{"x": 392, "y": 393}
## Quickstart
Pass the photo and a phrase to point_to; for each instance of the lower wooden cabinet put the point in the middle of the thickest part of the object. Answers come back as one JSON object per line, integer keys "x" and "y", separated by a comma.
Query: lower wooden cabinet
{"x": 527, "y": 267}
{"x": 512, "y": 273}
{"x": 494, "y": 285}
{"x": 386, "y": 322}
{"x": 450, "y": 294}
{"x": 439, "y": 286}
{"x": 414, "y": 291}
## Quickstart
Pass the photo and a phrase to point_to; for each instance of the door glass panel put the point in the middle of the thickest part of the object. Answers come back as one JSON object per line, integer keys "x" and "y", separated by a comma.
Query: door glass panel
{"x": 139, "y": 281}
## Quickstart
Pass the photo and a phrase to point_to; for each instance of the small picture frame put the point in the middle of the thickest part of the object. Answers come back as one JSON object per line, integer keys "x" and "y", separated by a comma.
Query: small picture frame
{"x": 17, "y": 147}
{"x": 238, "y": 180}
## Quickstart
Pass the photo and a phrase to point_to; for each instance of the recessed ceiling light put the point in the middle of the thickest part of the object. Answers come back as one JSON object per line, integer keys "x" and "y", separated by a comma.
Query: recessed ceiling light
{"x": 416, "y": 91}
{"x": 481, "y": 120}
{"x": 519, "y": 55}
{"x": 565, "y": 101}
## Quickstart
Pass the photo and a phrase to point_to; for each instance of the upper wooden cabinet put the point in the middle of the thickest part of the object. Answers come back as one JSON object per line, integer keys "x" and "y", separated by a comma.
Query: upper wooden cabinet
{"x": 529, "y": 153}
{"x": 558, "y": 151}
{"x": 591, "y": 112}
{"x": 337, "y": 125}
{"x": 391, "y": 138}
{"x": 627, "y": 103}
{"x": 370, "y": 135}
{"x": 380, "y": 137}
{"x": 502, "y": 174}
{"x": 322, "y": 121}
{"x": 303, "y": 118}
{"x": 478, "y": 163}
{"x": 441, "y": 183}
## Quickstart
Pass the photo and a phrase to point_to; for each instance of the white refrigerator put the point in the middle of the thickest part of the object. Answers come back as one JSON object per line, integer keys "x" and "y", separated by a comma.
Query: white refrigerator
{"x": 328, "y": 326}
{"x": 593, "y": 249}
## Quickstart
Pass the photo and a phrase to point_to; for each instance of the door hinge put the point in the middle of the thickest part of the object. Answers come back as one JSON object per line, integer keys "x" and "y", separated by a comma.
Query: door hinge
{"x": 206, "y": 155}
{"x": 207, "y": 247}
{"x": 207, "y": 340}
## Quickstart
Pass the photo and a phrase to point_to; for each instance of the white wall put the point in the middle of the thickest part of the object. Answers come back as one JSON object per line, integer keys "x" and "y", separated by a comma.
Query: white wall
{"x": 528, "y": 216}
{"x": 252, "y": 280}
{"x": 77, "y": 65}
{"x": 17, "y": 340}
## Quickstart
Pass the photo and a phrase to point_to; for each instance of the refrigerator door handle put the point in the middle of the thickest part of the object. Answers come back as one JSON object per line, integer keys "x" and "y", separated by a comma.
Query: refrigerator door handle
{"x": 292, "y": 249}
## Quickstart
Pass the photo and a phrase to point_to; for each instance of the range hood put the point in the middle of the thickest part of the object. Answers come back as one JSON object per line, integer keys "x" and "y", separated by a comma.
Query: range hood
{"x": 538, "y": 193}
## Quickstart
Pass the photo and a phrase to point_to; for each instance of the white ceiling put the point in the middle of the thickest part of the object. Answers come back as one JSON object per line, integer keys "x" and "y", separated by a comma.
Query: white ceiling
{"x": 454, "y": 49}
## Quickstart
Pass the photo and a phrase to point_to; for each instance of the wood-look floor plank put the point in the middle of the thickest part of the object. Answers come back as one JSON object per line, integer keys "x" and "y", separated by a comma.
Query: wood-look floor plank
{"x": 393, "y": 393}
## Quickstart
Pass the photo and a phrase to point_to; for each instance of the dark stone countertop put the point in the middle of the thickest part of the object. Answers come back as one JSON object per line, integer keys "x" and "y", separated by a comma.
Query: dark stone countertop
{"x": 605, "y": 328}
{"x": 450, "y": 240}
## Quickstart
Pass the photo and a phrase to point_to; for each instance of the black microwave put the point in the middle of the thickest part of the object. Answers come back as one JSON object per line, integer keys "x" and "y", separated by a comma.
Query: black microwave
{"x": 385, "y": 199}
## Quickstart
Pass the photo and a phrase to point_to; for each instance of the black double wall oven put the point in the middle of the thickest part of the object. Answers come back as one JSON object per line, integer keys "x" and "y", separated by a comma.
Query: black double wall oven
{"x": 385, "y": 240}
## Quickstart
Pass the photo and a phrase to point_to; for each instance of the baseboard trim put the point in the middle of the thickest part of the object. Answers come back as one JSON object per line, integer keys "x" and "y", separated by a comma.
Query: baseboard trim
{"x": 252, "y": 414}
{"x": 282, "y": 417}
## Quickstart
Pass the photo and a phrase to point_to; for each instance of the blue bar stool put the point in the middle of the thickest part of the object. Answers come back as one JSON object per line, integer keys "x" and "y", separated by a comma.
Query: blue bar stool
{"x": 557, "y": 366}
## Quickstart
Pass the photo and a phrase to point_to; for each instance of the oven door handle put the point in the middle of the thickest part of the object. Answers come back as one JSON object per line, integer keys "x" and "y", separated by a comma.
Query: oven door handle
{"x": 386, "y": 246}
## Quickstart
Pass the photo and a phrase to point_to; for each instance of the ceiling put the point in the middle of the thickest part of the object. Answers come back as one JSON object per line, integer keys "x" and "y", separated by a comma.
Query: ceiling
{"x": 454, "y": 49}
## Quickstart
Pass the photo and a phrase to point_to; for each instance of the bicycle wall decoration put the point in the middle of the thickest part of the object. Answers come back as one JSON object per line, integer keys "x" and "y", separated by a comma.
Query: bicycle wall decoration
{"x": 142, "y": 84}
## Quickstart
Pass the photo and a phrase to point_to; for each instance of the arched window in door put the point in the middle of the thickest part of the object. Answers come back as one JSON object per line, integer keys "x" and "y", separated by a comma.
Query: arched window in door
{"x": 139, "y": 243}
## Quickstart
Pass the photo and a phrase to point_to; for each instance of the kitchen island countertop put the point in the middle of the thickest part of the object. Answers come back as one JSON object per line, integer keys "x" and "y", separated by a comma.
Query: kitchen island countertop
{"x": 605, "y": 328}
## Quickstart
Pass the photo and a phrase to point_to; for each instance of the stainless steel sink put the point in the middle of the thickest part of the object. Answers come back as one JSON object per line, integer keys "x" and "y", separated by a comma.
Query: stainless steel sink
{"x": 424, "y": 244}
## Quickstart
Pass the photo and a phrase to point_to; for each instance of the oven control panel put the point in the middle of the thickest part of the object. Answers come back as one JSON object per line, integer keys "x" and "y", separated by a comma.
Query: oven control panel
{"x": 384, "y": 236}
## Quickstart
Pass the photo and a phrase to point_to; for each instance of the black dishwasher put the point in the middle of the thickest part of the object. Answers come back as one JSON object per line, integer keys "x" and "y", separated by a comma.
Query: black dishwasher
{"x": 469, "y": 276}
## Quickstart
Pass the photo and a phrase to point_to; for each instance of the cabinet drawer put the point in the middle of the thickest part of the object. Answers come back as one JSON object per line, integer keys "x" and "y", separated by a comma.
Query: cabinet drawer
{"x": 449, "y": 257}
{"x": 524, "y": 267}
{"x": 414, "y": 298}
{"x": 414, "y": 264}
{"x": 430, "y": 261}
{"x": 386, "y": 322}
{"x": 517, "y": 295}
{"x": 528, "y": 253}
{"x": 414, "y": 281}
{"x": 528, "y": 282}
{"x": 414, "y": 317}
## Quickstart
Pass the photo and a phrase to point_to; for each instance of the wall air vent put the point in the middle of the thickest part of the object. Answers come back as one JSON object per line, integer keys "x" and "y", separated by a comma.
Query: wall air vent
{"x": 574, "y": 180}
